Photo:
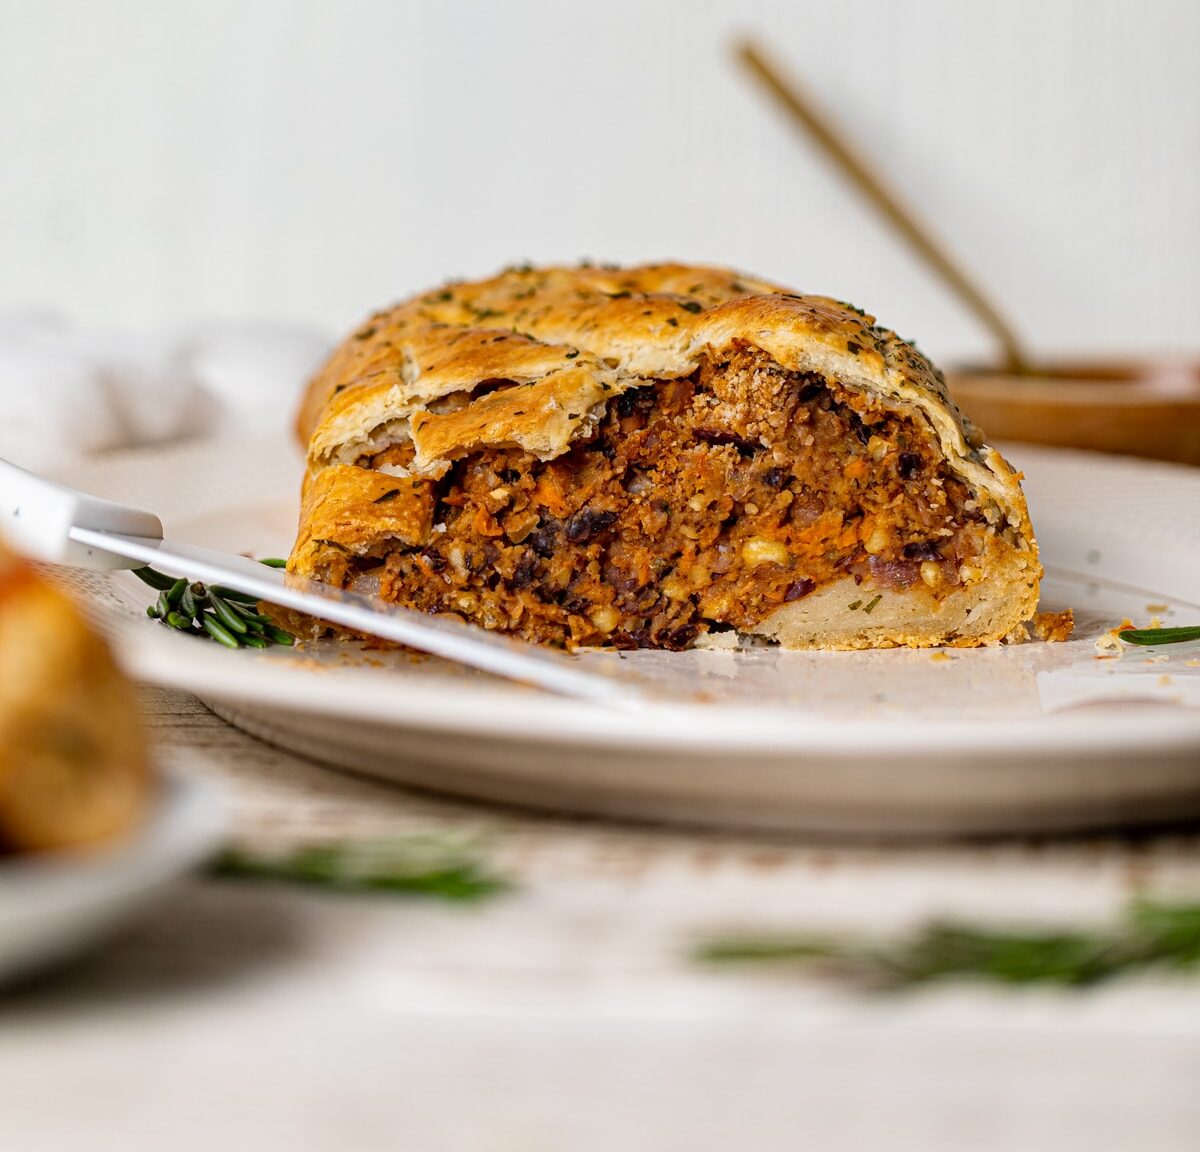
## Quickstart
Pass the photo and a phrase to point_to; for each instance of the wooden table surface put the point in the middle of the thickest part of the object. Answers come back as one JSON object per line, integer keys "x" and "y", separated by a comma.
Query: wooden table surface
{"x": 568, "y": 1013}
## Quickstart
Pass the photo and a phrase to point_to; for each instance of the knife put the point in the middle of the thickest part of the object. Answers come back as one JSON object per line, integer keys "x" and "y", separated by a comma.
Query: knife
{"x": 59, "y": 525}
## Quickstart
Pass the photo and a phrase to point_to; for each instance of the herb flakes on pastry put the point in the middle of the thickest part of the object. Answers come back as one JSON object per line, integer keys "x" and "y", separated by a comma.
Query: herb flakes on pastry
{"x": 637, "y": 457}
{"x": 73, "y": 763}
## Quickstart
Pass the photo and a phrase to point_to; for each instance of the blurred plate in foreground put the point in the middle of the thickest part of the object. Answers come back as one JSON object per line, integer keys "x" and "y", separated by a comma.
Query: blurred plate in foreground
{"x": 54, "y": 905}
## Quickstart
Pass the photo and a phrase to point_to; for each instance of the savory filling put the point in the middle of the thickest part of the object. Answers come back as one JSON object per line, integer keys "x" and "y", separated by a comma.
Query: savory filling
{"x": 698, "y": 504}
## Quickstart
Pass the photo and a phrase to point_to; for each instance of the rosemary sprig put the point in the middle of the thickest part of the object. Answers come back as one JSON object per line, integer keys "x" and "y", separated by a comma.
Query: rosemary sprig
{"x": 154, "y": 579}
{"x": 1155, "y": 636}
{"x": 228, "y": 617}
{"x": 1150, "y": 935}
{"x": 415, "y": 865}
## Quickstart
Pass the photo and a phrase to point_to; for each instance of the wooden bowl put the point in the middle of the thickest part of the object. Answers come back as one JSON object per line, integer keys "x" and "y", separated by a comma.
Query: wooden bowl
{"x": 1139, "y": 407}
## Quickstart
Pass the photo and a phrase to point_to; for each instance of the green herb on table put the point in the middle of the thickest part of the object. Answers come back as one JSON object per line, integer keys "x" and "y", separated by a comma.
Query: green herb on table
{"x": 1150, "y": 935}
{"x": 228, "y": 617}
{"x": 416, "y": 865}
{"x": 1154, "y": 636}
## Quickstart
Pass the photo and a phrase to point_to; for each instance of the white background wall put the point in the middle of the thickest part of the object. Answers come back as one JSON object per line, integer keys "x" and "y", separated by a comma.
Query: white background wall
{"x": 166, "y": 161}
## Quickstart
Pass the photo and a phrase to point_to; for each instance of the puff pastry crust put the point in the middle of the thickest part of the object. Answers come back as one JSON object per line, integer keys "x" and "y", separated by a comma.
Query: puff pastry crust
{"x": 642, "y": 456}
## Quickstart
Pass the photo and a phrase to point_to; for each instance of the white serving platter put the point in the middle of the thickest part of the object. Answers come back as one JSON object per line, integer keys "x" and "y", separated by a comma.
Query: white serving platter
{"x": 893, "y": 743}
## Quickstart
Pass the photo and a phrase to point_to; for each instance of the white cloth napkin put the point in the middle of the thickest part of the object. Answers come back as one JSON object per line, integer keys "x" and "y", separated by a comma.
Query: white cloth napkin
{"x": 66, "y": 393}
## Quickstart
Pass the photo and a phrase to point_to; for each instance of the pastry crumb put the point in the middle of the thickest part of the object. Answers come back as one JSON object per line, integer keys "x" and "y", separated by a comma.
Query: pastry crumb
{"x": 1053, "y": 627}
{"x": 725, "y": 641}
{"x": 1111, "y": 641}
{"x": 941, "y": 657}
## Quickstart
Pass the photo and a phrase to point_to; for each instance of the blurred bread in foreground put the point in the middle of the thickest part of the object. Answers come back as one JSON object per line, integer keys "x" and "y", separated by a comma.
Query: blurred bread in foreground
{"x": 73, "y": 764}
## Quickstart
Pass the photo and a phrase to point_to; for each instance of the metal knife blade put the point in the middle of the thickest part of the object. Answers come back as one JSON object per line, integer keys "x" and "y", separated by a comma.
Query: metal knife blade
{"x": 443, "y": 636}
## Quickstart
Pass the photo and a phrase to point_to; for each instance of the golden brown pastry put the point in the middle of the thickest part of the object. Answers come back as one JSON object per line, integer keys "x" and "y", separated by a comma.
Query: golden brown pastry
{"x": 638, "y": 457}
{"x": 73, "y": 765}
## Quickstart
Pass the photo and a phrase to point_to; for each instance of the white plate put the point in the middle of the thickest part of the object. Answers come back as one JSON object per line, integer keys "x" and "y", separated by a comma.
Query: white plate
{"x": 55, "y": 905}
{"x": 1037, "y": 736}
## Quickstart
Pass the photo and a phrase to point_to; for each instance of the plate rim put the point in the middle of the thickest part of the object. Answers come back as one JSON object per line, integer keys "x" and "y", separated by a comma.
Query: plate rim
{"x": 363, "y": 695}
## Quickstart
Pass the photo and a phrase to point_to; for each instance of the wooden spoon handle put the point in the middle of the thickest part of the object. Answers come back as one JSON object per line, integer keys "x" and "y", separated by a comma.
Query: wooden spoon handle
{"x": 803, "y": 112}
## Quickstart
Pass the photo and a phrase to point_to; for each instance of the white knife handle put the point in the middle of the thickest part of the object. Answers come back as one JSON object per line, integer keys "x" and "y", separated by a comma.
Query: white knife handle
{"x": 37, "y": 516}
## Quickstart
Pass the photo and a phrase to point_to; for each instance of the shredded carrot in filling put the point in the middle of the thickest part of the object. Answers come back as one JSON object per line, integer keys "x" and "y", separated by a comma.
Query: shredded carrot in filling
{"x": 710, "y": 500}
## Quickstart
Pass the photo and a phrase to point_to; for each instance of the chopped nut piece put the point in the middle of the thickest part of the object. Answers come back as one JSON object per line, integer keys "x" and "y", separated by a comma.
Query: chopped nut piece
{"x": 496, "y": 499}
{"x": 759, "y": 550}
{"x": 605, "y": 618}
{"x": 519, "y": 526}
{"x": 878, "y": 542}
{"x": 877, "y": 447}
{"x": 456, "y": 554}
{"x": 676, "y": 589}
